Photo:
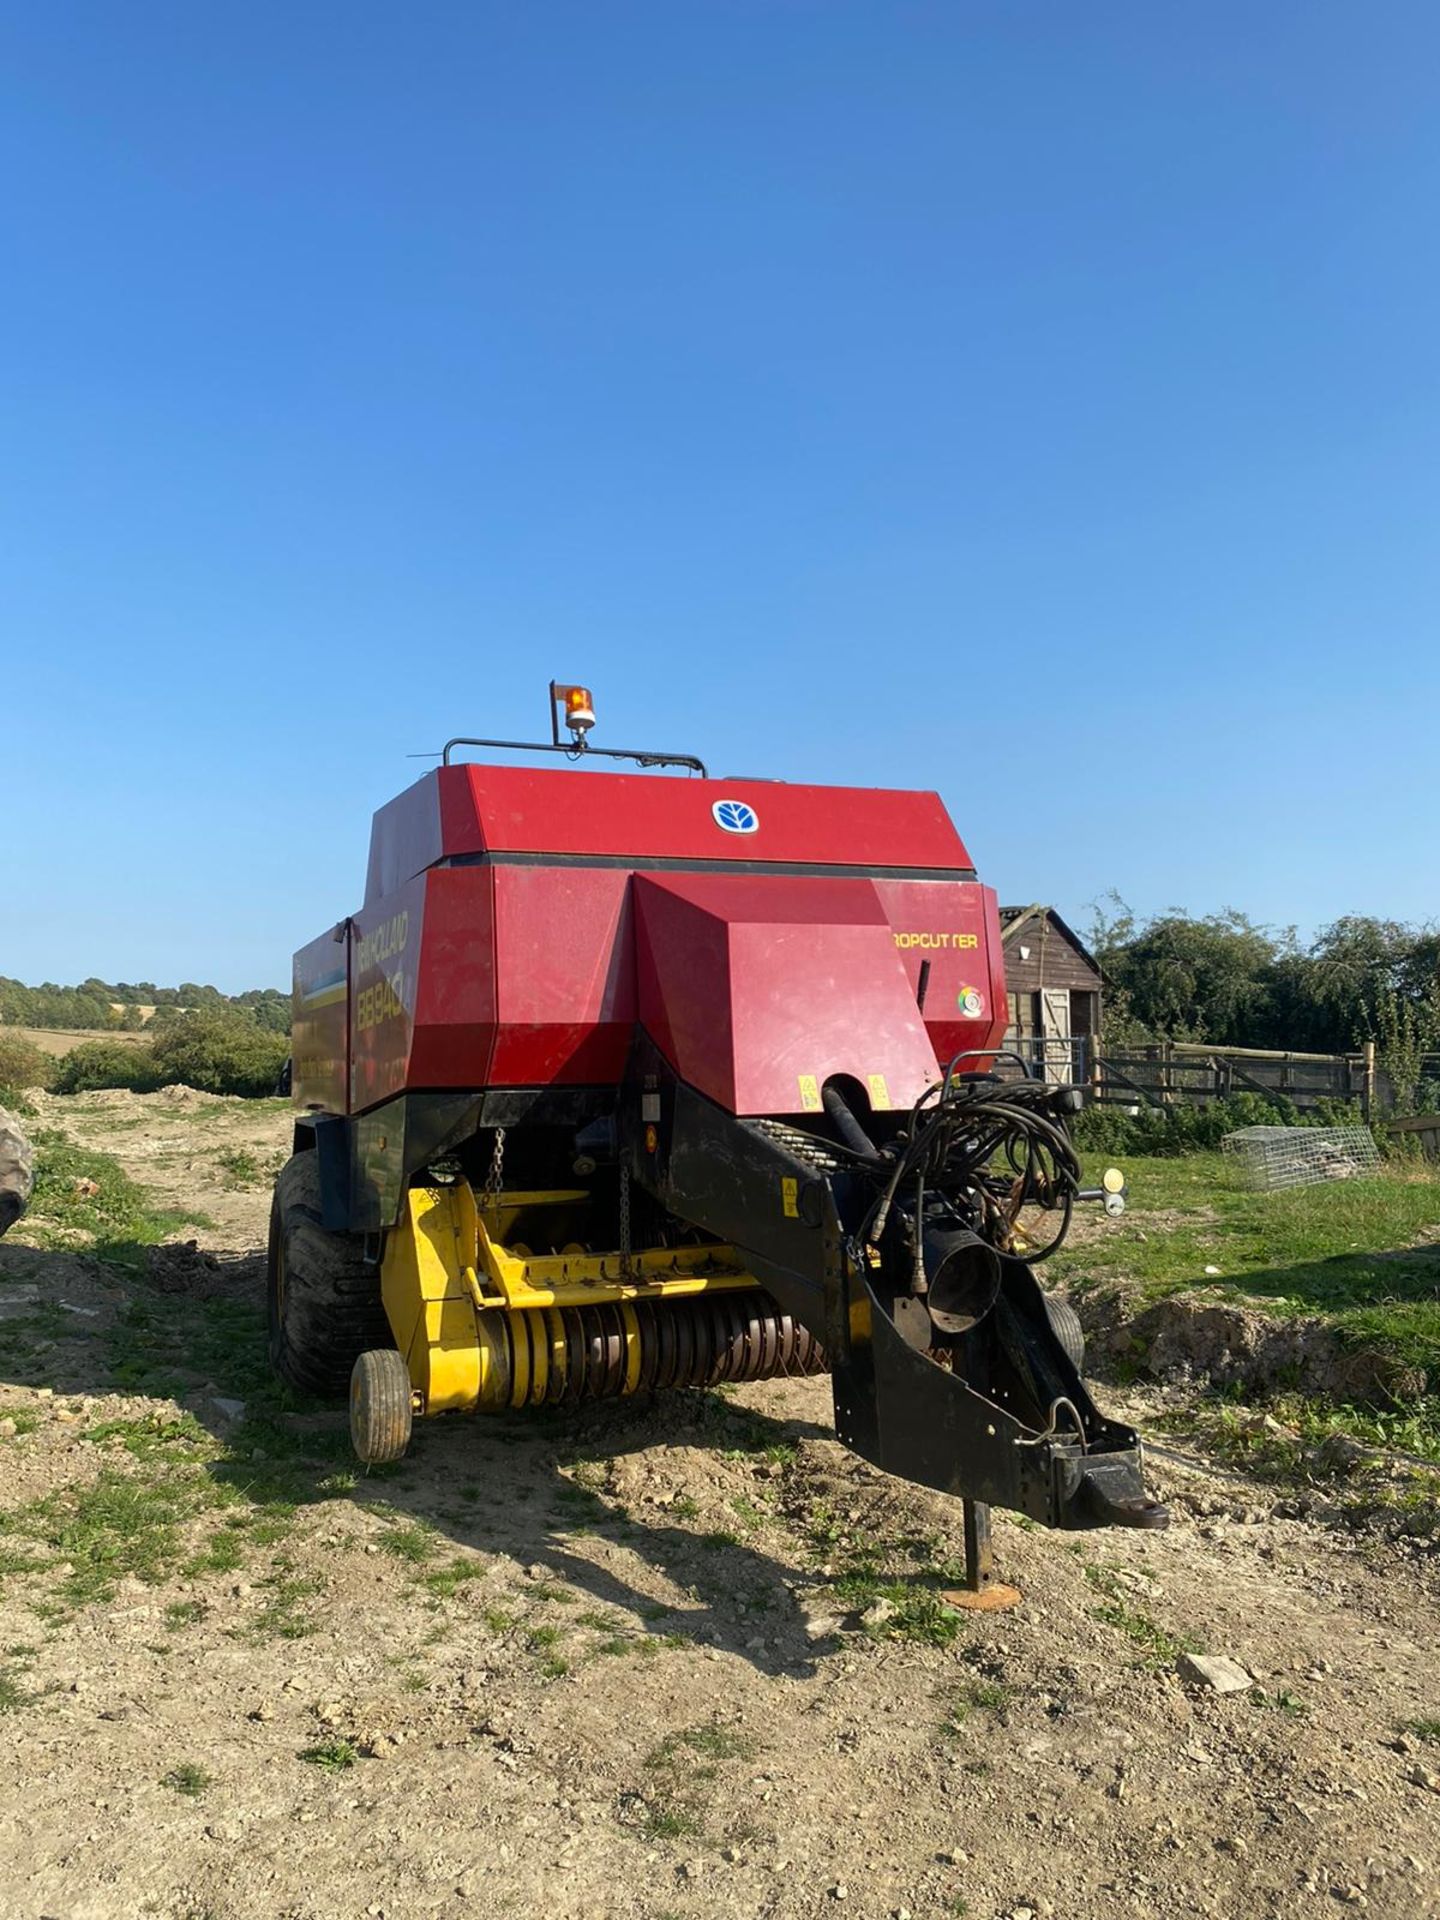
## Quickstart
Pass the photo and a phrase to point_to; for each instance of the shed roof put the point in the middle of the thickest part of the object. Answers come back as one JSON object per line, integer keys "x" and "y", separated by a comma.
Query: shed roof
{"x": 1012, "y": 919}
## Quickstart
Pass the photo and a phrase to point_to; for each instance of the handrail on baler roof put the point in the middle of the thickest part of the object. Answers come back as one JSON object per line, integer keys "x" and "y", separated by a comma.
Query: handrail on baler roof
{"x": 579, "y": 718}
{"x": 581, "y": 752}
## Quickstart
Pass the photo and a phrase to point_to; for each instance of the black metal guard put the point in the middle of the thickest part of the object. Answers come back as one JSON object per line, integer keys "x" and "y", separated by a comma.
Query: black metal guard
{"x": 1008, "y": 1420}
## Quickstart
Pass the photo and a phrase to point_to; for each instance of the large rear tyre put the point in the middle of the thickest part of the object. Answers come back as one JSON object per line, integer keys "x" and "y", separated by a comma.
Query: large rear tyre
{"x": 380, "y": 1409}
{"x": 323, "y": 1297}
{"x": 1065, "y": 1325}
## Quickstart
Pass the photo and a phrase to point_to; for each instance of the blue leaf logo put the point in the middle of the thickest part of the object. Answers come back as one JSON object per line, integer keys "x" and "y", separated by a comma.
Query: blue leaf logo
{"x": 735, "y": 816}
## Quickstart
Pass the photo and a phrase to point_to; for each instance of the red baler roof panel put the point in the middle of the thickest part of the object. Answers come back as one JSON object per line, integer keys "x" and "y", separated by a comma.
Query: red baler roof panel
{"x": 520, "y": 925}
{"x": 457, "y": 811}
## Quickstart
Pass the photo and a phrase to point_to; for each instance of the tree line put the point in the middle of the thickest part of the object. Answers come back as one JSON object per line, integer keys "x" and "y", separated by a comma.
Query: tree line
{"x": 100, "y": 1006}
{"x": 1223, "y": 979}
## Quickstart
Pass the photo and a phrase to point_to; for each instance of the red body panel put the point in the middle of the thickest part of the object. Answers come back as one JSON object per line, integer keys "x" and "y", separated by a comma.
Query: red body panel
{"x": 759, "y": 988}
{"x": 453, "y": 812}
{"x": 531, "y": 961}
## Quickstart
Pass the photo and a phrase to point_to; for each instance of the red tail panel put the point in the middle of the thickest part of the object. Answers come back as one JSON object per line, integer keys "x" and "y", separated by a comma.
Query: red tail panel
{"x": 759, "y": 988}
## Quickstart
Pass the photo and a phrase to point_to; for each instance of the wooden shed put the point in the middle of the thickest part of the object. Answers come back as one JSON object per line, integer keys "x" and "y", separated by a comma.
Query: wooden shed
{"x": 1054, "y": 987}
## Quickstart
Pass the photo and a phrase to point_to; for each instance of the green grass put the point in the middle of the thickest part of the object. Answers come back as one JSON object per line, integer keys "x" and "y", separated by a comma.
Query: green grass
{"x": 12, "y": 1695}
{"x": 120, "y": 1526}
{"x": 1158, "y": 1647}
{"x": 1306, "y": 1250}
{"x": 445, "y": 1582}
{"x": 1356, "y": 1253}
{"x": 920, "y": 1613}
{"x": 242, "y": 1168}
{"x": 285, "y": 1614}
{"x": 664, "y": 1822}
{"x": 681, "y": 1771}
{"x": 331, "y": 1756}
{"x": 78, "y": 1190}
{"x": 189, "y": 1780}
{"x": 1427, "y": 1730}
{"x": 1298, "y": 1445}
{"x": 413, "y": 1542}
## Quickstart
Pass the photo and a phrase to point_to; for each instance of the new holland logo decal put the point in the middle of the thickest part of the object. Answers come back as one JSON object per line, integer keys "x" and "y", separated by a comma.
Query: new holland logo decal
{"x": 735, "y": 816}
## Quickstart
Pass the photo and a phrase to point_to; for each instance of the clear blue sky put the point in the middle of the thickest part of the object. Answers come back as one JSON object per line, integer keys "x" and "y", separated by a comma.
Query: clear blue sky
{"x": 1036, "y": 401}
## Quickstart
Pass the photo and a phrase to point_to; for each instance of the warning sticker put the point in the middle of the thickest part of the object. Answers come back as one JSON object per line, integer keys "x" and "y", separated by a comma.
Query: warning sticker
{"x": 809, "y": 1093}
{"x": 879, "y": 1092}
{"x": 790, "y": 1198}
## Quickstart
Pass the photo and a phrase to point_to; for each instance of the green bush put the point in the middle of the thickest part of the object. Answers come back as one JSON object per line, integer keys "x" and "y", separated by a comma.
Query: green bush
{"x": 104, "y": 1063}
{"x": 22, "y": 1064}
{"x": 1178, "y": 1129}
{"x": 219, "y": 1053}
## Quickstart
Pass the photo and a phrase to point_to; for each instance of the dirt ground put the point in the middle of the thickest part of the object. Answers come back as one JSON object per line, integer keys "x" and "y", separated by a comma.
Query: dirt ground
{"x": 613, "y": 1665}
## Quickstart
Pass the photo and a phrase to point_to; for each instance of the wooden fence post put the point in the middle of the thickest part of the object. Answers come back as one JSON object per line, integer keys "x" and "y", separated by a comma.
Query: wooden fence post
{"x": 1367, "y": 1097}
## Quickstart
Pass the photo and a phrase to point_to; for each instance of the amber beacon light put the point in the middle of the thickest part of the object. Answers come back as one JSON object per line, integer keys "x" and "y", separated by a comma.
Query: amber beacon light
{"x": 578, "y": 708}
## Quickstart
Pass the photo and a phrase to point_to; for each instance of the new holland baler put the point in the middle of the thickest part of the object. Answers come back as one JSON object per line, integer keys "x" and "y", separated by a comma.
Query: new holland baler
{"x": 620, "y": 1082}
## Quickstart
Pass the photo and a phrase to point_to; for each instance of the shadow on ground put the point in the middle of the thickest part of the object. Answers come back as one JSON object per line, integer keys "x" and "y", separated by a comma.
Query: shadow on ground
{"x": 175, "y": 1323}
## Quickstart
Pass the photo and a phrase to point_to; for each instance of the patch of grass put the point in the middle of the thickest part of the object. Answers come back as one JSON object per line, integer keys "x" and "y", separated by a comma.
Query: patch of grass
{"x": 81, "y": 1191}
{"x": 411, "y": 1542}
{"x": 26, "y": 1420}
{"x": 986, "y": 1696}
{"x": 1296, "y": 1445}
{"x": 553, "y": 1591}
{"x": 1159, "y": 1647}
{"x": 684, "y": 1763}
{"x": 179, "y": 1435}
{"x": 16, "y": 1560}
{"x": 12, "y": 1694}
{"x": 670, "y": 1823}
{"x": 242, "y": 1168}
{"x": 1281, "y": 1701}
{"x": 1305, "y": 1250}
{"x": 497, "y": 1619}
{"x": 224, "y": 1552}
{"x": 716, "y": 1742}
{"x": 1426, "y": 1729}
{"x": 188, "y": 1779}
{"x": 331, "y": 1756}
{"x": 919, "y": 1612}
{"x": 284, "y": 1616}
{"x": 684, "y": 1507}
{"x": 446, "y": 1582}
{"x": 184, "y": 1613}
{"x": 121, "y": 1525}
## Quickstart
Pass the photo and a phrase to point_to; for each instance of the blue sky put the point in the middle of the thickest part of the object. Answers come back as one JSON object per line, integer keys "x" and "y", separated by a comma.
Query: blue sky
{"x": 1038, "y": 402}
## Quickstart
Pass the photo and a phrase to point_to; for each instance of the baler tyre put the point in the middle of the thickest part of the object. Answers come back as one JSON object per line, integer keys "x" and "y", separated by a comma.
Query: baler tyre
{"x": 323, "y": 1298}
{"x": 380, "y": 1409}
{"x": 1065, "y": 1325}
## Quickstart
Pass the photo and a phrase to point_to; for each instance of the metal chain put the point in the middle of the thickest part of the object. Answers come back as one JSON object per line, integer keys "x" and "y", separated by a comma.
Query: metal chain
{"x": 490, "y": 1194}
{"x": 625, "y": 1219}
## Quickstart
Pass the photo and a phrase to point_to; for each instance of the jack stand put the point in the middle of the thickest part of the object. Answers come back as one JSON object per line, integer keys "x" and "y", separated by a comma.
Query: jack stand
{"x": 982, "y": 1592}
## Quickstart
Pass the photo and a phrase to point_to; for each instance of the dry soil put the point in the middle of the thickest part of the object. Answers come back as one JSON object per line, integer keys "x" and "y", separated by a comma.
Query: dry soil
{"x": 612, "y": 1665}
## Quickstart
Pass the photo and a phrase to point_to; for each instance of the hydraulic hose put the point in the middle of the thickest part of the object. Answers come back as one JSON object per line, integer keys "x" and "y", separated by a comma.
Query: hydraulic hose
{"x": 848, "y": 1127}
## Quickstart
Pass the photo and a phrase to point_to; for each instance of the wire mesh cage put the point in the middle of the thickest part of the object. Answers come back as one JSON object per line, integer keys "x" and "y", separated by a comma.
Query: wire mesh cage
{"x": 1271, "y": 1157}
